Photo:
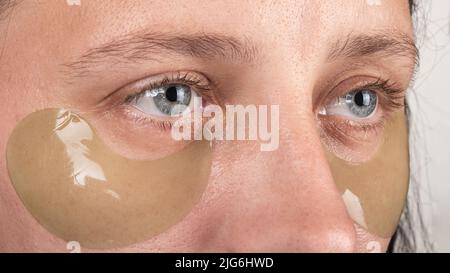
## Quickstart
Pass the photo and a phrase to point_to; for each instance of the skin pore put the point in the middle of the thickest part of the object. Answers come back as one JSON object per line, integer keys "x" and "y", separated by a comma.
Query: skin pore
{"x": 300, "y": 55}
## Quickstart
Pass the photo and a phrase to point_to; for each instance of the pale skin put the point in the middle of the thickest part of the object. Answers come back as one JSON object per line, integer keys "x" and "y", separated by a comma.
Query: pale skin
{"x": 284, "y": 200}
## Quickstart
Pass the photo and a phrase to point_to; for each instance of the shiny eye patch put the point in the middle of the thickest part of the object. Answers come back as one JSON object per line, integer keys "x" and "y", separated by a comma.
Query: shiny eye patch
{"x": 375, "y": 191}
{"x": 80, "y": 190}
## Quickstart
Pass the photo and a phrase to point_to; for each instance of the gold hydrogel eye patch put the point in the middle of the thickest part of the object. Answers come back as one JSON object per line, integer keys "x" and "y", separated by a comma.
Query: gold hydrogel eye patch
{"x": 80, "y": 190}
{"x": 375, "y": 191}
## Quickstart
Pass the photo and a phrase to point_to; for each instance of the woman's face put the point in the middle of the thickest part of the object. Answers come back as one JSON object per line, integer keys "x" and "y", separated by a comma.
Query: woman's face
{"x": 338, "y": 70}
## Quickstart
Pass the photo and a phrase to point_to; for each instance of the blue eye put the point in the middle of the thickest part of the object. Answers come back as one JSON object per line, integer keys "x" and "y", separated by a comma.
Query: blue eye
{"x": 166, "y": 100}
{"x": 172, "y": 99}
{"x": 356, "y": 104}
{"x": 361, "y": 103}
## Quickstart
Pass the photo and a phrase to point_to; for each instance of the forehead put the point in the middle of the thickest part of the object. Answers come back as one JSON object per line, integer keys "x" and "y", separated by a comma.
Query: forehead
{"x": 303, "y": 20}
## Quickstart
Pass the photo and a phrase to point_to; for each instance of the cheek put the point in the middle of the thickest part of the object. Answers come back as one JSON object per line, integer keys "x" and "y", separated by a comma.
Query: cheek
{"x": 374, "y": 192}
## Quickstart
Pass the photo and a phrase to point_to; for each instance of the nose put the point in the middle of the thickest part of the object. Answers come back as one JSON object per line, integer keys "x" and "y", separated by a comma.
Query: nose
{"x": 278, "y": 201}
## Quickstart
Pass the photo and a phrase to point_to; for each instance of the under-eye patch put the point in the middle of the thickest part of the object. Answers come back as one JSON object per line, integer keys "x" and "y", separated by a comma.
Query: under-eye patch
{"x": 80, "y": 190}
{"x": 375, "y": 191}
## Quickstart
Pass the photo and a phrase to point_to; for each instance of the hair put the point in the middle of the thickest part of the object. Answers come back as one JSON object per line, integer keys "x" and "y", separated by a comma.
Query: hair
{"x": 412, "y": 234}
{"x": 412, "y": 6}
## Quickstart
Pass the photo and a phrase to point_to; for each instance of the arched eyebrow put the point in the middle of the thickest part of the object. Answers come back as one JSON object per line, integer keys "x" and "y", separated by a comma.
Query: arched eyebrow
{"x": 380, "y": 44}
{"x": 150, "y": 46}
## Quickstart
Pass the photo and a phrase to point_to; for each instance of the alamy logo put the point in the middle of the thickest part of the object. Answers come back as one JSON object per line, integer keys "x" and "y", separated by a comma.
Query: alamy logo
{"x": 235, "y": 122}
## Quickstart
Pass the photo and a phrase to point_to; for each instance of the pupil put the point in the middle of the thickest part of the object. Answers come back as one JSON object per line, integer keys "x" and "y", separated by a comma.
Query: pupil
{"x": 359, "y": 99}
{"x": 171, "y": 94}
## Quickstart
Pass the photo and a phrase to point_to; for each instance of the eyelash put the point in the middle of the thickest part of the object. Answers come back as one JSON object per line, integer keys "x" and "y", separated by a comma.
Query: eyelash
{"x": 390, "y": 99}
{"x": 177, "y": 78}
{"x": 389, "y": 96}
{"x": 200, "y": 86}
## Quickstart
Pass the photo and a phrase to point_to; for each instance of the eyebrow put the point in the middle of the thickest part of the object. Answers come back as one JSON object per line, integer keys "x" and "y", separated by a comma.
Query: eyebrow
{"x": 139, "y": 47}
{"x": 380, "y": 43}
{"x": 150, "y": 46}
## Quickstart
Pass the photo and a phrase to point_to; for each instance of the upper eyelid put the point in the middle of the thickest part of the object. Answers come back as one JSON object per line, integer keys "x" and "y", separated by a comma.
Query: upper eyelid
{"x": 121, "y": 95}
{"x": 389, "y": 87}
{"x": 390, "y": 96}
{"x": 204, "y": 86}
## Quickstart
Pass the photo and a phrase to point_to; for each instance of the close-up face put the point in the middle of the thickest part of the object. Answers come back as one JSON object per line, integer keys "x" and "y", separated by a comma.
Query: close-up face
{"x": 94, "y": 90}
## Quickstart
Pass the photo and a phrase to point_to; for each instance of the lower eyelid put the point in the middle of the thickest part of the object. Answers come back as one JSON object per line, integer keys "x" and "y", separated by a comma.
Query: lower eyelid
{"x": 142, "y": 120}
{"x": 352, "y": 142}
{"x": 379, "y": 113}
{"x": 353, "y": 125}
{"x": 353, "y": 134}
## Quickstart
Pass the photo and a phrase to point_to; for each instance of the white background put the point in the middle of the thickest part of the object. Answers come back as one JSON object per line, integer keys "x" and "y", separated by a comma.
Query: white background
{"x": 429, "y": 101}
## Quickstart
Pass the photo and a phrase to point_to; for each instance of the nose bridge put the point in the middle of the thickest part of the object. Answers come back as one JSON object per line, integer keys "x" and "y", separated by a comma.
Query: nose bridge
{"x": 300, "y": 173}
{"x": 286, "y": 200}
{"x": 303, "y": 170}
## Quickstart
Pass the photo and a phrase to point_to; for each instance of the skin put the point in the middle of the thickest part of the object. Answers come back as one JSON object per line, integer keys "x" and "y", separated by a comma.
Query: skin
{"x": 285, "y": 200}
